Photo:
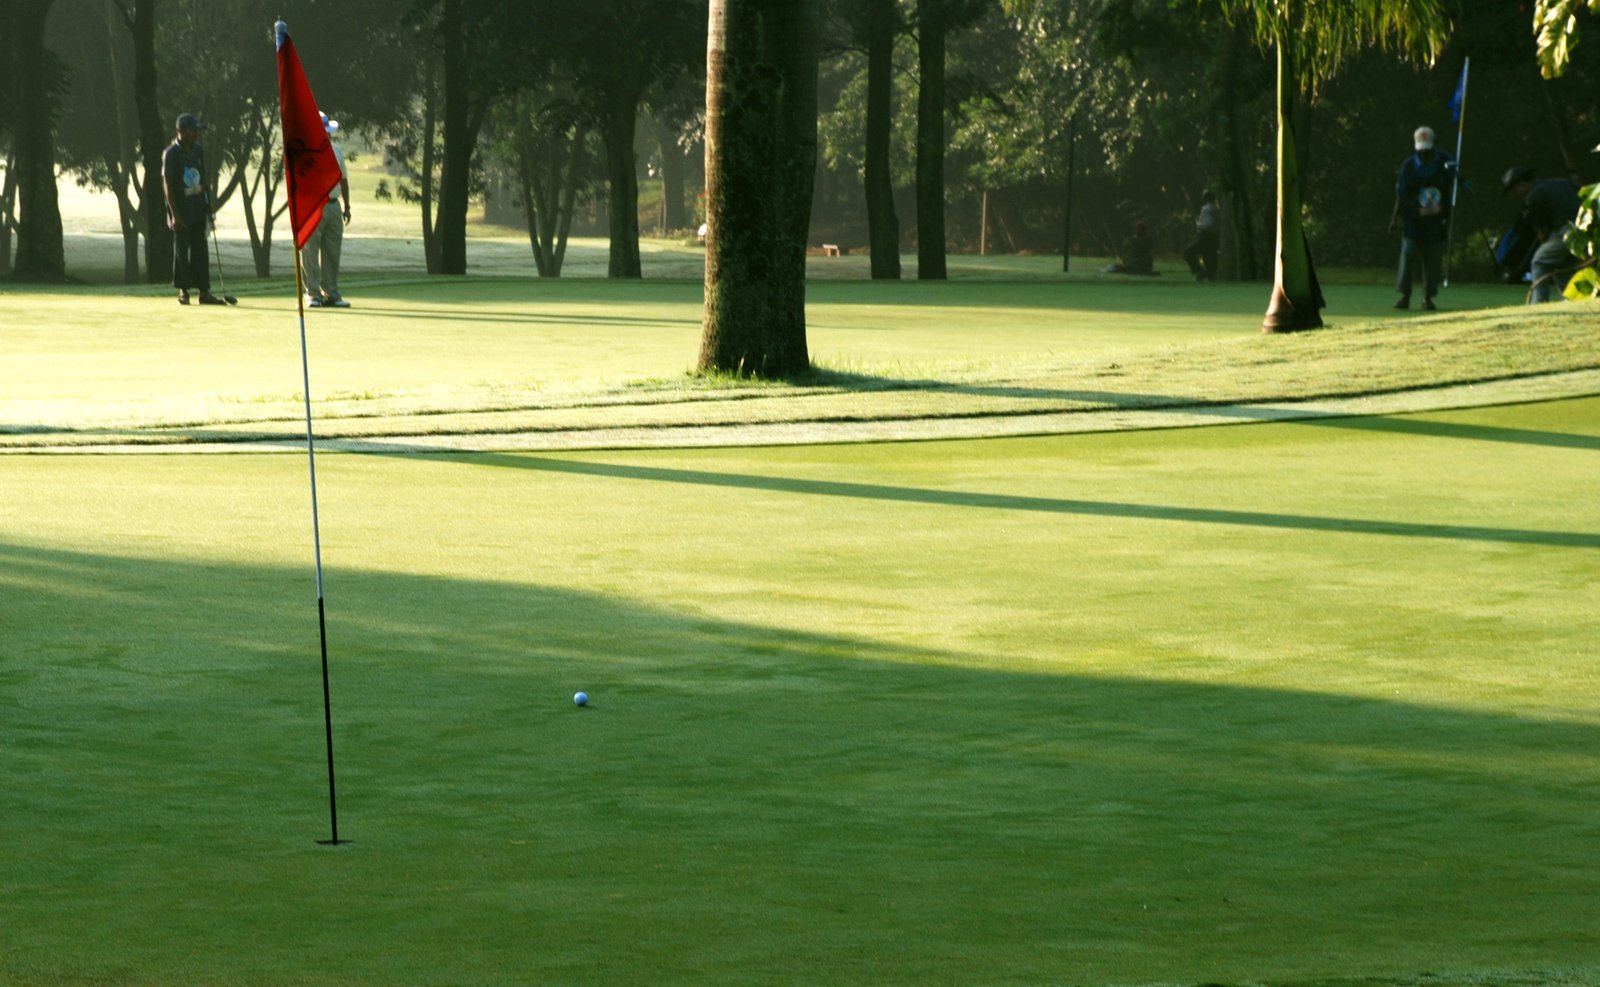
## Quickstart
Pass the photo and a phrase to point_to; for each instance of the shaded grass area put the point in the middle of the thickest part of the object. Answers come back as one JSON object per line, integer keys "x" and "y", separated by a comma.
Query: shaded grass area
{"x": 488, "y": 357}
{"x": 1289, "y": 704}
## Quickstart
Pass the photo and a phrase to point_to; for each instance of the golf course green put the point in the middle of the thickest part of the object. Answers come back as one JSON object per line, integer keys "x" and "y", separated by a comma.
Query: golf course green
{"x": 1296, "y": 697}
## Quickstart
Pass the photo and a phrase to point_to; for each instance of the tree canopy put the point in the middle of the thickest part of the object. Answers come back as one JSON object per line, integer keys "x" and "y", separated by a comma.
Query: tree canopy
{"x": 1059, "y": 123}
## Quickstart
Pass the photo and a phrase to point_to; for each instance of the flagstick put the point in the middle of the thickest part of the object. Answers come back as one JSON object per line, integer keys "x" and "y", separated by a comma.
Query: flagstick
{"x": 1455, "y": 183}
{"x": 316, "y": 538}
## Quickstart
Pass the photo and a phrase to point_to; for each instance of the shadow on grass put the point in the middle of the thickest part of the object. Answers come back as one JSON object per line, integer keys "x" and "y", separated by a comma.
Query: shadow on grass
{"x": 1457, "y": 430}
{"x": 813, "y": 798}
{"x": 501, "y": 318}
{"x": 1223, "y": 411}
{"x": 1011, "y": 502}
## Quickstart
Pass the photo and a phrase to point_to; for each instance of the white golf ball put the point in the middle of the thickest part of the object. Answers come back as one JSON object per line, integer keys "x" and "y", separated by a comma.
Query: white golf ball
{"x": 581, "y": 699}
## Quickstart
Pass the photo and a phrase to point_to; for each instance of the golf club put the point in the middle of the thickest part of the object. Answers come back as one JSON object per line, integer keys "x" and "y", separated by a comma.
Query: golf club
{"x": 220, "y": 279}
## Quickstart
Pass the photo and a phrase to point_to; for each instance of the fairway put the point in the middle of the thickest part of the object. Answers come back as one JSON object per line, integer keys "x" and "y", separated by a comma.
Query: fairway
{"x": 782, "y": 493}
{"x": 604, "y": 364}
{"x": 1285, "y": 703}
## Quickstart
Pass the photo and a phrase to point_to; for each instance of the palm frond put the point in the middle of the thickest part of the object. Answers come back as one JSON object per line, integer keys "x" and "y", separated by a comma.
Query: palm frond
{"x": 1322, "y": 35}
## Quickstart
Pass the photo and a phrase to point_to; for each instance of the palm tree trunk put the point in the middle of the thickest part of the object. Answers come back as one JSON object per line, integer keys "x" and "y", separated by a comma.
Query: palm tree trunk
{"x": 1295, "y": 299}
{"x": 761, "y": 155}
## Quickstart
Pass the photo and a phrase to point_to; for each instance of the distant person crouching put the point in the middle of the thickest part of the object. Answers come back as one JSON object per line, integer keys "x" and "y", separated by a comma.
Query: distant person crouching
{"x": 1551, "y": 207}
{"x": 1138, "y": 253}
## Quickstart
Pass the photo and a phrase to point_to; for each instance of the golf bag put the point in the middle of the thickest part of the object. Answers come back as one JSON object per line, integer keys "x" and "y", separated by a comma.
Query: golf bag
{"x": 1513, "y": 252}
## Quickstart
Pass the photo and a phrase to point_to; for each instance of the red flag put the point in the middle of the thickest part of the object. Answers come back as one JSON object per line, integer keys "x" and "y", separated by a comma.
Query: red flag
{"x": 309, "y": 167}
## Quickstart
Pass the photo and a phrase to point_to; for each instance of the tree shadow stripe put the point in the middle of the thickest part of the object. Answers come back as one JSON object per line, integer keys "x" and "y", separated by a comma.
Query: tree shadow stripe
{"x": 1047, "y": 505}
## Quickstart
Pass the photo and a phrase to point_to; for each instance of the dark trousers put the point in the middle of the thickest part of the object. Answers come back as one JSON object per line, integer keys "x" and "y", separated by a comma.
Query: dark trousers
{"x": 1201, "y": 255}
{"x": 191, "y": 265}
{"x": 1425, "y": 257}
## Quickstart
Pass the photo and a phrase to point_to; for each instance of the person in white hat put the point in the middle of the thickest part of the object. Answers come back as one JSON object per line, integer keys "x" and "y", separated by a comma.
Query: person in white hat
{"x": 320, "y": 256}
{"x": 1422, "y": 207}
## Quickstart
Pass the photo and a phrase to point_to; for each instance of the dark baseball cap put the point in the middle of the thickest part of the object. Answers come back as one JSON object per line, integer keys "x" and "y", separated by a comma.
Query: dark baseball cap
{"x": 191, "y": 121}
{"x": 1514, "y": 176}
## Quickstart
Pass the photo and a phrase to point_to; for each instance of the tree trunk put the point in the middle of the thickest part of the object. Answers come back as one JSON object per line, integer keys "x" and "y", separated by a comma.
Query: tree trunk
{"x": 1236, "y": 173}
{"x": 1557, "y": 115}
{"x": 1072, "y": 170}
{"x": 529, "y": 187}
{"x": 41, "y": 255}
{"x": 8, "y": 212}
{"x": 265, "y": 183}
{"x": 569, "y": 196}
{"x": 117, "y": 147}
{"x": 127, "y": 217}
{"x": 622, "y": 183}
{"x": 1234, "y": 181}
{"x": 1008, "y": 217}
{"x": 425, "y": 198}
{"x": 761, "y": 154}
{"x": 260, "y": 249}
{"x": 674, "y": 216}
{"x": 883, "y": 227}
{"x": 547, "y": 172}
{"x": 154, "y": 136}
{"x": 455, "y": 176}
{"x": 930, "y": 140}
{"x": 1296, "y": 300}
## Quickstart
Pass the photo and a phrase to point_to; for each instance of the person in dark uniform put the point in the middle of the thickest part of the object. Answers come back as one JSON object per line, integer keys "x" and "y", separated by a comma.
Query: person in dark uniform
{"x": 183, "y": 181}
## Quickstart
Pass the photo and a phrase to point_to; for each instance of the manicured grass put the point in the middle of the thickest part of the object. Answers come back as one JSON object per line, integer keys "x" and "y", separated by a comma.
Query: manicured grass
{"x": 1285, "y": 703}
{"x": 1300, "y": 704}
{"x": 494, "y": 355}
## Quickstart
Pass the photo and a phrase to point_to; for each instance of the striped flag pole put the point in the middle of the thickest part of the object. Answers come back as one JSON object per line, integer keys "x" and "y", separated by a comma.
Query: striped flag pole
{"x": 310, "y": 172}
{"x": 316, "y": 543}
{"x": 1458, "y": 109}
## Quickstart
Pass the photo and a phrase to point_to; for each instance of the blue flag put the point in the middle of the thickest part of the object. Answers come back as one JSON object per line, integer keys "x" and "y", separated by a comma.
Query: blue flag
{"x": 1459, "y": 98}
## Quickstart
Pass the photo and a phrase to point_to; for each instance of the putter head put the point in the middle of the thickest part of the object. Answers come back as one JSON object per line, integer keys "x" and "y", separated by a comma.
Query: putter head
{"x": 230, "y": 299}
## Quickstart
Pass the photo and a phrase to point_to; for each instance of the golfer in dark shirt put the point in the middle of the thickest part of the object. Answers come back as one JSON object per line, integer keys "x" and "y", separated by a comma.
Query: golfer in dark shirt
{"x": 1551, "y": 205}
{"x": 183, "y": 170}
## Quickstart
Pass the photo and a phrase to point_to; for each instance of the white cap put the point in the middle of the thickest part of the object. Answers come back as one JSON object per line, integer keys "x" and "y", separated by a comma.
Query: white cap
{"x": 332, "y": 126}
{"x": 1423, "y": 138}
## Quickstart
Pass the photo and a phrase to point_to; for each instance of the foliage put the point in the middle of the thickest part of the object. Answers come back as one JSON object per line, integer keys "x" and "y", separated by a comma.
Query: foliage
{"x": 1555, "y": 24}
{"x": 615, "y": 52}
{"x": 842, "y": 124}
{"x": 1583, "y": 240}
{"x": 541, "y": 145}
{"x": 1130, "y": 103}
{"x": 1320, "y": 36}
